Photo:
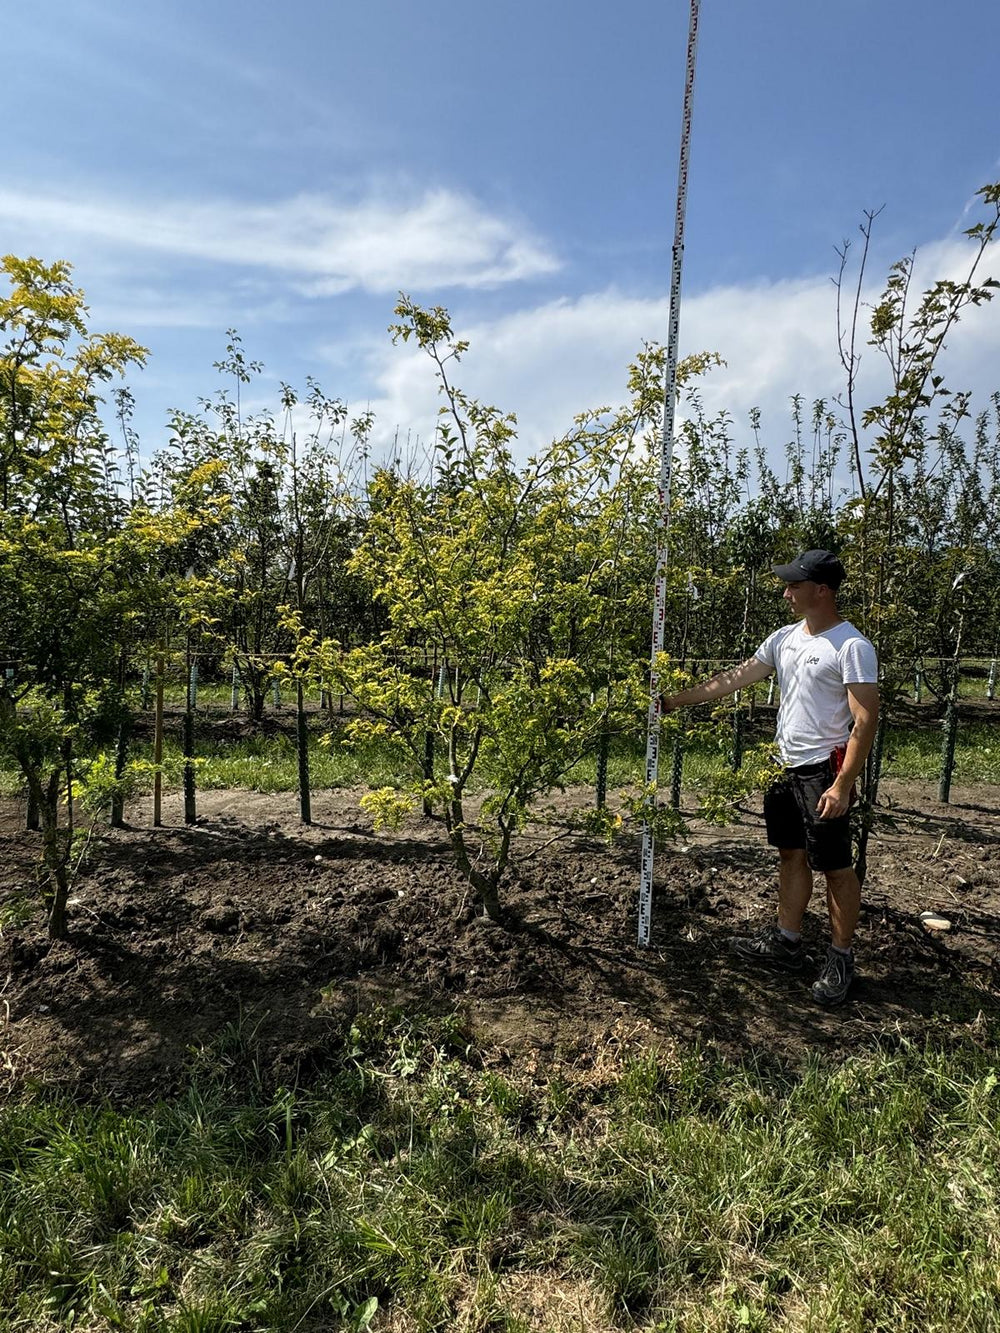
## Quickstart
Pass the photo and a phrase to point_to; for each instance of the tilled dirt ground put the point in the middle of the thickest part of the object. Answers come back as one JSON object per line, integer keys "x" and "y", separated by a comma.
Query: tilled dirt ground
{"x": 250, "y": 922}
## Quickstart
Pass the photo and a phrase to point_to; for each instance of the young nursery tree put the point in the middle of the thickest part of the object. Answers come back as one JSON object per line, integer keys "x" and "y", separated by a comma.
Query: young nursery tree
{"x": 290, "y": 522}
{"x": 917, "y": 413}
{"x": 898, "y": 431}
{"x": 80, "y": 573}
{"x": 237, "y": 572}
{"x": 525, "y": 583}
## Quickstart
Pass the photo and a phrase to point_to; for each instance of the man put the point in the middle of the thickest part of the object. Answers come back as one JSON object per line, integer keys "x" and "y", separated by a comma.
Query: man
{"x": 827, "y": 673}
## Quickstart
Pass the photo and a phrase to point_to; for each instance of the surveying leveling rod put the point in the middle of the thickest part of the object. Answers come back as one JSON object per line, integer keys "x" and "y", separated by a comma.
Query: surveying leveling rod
{"x": 663, "y": 523}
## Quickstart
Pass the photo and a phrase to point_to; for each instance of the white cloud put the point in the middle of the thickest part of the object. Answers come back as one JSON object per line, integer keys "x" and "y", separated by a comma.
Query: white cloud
{"x": 440, "y": 239}
{"x": 549, "y": 362}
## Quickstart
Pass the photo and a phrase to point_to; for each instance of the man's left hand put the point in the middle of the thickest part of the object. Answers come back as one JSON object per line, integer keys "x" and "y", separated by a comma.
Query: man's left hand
{"x": 833, "y": 803}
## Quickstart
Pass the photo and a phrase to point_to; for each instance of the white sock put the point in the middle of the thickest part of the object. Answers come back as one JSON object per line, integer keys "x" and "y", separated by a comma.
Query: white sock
{"x": 792, "y": 936}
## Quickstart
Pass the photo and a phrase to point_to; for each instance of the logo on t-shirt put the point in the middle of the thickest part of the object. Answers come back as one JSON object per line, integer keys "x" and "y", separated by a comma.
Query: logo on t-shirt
{"x": 811, "y": 661}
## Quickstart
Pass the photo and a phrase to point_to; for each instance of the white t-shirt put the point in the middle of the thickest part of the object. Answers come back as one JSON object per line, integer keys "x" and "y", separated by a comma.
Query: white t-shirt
{"x": 813, "y": 671}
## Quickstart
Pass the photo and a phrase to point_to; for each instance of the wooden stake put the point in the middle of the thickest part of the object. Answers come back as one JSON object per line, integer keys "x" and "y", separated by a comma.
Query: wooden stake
{"x": 302, "y": 740}
{"x": 158, "y": 742}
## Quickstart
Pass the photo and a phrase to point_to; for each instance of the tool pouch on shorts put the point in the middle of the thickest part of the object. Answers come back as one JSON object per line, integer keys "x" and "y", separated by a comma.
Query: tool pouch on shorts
{"x": 837, "y": 758}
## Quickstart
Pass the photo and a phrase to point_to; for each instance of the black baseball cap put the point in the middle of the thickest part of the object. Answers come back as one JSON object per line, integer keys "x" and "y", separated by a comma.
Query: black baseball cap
{"x": 818, "y": 566}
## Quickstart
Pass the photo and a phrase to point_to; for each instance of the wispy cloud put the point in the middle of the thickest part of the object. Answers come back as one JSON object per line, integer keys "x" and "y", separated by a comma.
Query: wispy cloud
{"x": 778, "y": 339}
{"x": 438, "y": 240}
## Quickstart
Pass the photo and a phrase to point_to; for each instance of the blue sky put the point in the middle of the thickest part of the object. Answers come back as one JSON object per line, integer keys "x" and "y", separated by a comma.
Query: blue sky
{"x": 287, "y": 169}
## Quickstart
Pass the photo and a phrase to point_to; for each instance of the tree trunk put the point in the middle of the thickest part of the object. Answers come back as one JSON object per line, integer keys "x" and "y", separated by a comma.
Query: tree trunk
{"x": 121, "y": 759}
{"x": 56, "y": 851}
{"x": 950, "y": 736}
{"x": 428, "y": 769}
{"x": 59, "y": 886}
{"x": 158, "y": 743}
{"x": 869, "y": 796}
{"x": 736, "y": 758}
{"x": 190, "y": 793}
{"x": 117, "y": 818}
{"x": 677, "y": 770}
{"x": 603, "y": 746}
{"x": 485, "y": 885}
{"x": 255, "y": 697}
{"x": 302, "y": 744}
{"x": 43, "y": 807}
{"x": 489, "y": 896}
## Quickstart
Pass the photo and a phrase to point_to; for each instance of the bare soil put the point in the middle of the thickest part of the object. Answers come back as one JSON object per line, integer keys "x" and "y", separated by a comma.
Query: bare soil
{"x": 248, "y": 920}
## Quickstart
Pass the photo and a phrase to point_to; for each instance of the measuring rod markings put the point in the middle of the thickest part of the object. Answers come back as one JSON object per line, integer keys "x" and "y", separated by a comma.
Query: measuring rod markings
{"x": 663, "y": 519}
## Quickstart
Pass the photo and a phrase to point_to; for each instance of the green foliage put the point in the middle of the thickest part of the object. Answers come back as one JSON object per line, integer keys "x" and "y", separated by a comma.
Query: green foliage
{"x": 287, "y": 521}
{"x": 922, "y": 530}
{"x": 387, "y": 806}
{"x": 81, "y": 575}
{"x": 525, "y": 583}
{"x": 926, "y": 515}
{"x": 642, "y": 807}
{"x": 100, "y": 785}
{"x": 727, "y": 788}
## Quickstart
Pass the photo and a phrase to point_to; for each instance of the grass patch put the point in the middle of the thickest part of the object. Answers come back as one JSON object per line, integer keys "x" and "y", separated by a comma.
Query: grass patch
{"x": 416, "y": 1188}
{"x": 267, "y": 762}
{"x": 217, "y": 697}
{"x": 916, "y": 753}
{"x": 910, "y": 753}
{"x": 627, "y": 764}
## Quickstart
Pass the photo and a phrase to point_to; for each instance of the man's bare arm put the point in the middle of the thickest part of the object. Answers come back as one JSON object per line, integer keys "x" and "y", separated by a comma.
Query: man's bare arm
{"x": 864, "y": 704}
{"x": 726, "y": 682}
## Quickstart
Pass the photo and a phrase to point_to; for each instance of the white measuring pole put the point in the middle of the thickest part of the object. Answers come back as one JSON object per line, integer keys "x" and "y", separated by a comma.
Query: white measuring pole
{"x": 666, "y": 460}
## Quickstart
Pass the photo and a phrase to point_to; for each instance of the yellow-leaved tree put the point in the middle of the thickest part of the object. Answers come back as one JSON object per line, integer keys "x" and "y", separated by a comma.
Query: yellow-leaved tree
{"x": 81, "y": 570}
{"x": 529, "y": 583}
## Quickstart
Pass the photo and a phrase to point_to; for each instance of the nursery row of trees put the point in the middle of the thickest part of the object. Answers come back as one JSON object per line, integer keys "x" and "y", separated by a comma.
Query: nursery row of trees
{"x": 277, "y": 543}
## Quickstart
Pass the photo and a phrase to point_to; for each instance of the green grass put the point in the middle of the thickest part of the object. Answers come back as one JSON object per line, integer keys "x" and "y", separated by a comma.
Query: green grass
{"x": 210, "y": 694}
{"x": 267, "y": 763}
{"x": 627, "y": 764}
{"x": 270, "y": 763}
{"x": 217, "y": 696}
{"x": 912, "y": 753}
{"x": 974, "y": 689}
{"x": 646, "y": 1191}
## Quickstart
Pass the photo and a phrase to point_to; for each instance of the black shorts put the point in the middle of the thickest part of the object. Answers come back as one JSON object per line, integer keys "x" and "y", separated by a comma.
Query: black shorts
{"x": 791, "y": 819}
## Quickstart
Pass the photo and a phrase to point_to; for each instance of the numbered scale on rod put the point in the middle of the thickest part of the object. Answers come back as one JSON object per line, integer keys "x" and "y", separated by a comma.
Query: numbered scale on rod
{"x": 666, "y": 459}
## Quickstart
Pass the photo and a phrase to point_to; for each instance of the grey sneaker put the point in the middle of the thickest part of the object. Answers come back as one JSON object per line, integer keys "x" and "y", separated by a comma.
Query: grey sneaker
{"x": 770, "y": 948}
{"x": 834, "y": 981}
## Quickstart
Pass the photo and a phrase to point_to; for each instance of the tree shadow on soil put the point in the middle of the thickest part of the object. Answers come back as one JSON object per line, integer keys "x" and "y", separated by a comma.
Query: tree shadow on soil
{"x": 188, "y": 932}
{"x": 950, "y": 824}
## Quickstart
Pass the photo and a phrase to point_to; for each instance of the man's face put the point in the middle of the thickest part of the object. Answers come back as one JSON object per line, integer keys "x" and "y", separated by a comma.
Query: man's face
{"x": 803, "y": 596}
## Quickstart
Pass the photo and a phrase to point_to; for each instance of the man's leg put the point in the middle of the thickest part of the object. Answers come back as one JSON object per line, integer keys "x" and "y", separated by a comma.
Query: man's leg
{"x": 843, "y": 897}
{"x": 795, "y": 886}
{"x": 784, "y": 831}
{"x": 828, "y": 843}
